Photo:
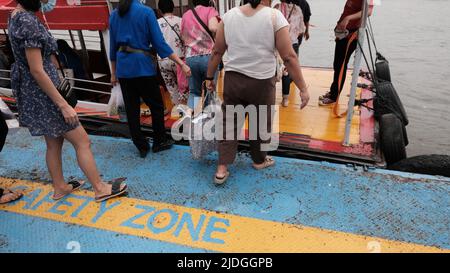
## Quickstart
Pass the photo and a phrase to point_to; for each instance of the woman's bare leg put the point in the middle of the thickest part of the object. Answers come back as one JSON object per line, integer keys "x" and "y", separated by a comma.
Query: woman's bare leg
{"x": 54, "y": 165}
{"x": 80, "y": 141}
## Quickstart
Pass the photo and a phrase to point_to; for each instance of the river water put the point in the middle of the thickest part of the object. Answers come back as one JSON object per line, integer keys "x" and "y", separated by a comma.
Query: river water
{"x": 415, "y": 36}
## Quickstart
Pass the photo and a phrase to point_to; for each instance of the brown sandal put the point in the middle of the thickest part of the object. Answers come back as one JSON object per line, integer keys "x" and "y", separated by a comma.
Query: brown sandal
{"x": 76, "y": 185}
{"x": 268, "y": 162}
{"x": 115, "y": 191}
{"x": 9, "y": 192}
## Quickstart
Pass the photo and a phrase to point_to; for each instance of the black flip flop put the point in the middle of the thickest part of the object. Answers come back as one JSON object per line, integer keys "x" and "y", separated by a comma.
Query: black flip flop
{"x": 5, "y": 192}
{"x": 76, "y": 185}
{"x": 116, "y": 191}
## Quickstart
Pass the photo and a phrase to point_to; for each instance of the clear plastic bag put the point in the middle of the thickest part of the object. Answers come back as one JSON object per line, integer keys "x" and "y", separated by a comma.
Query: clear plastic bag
{"x": 115, "y": 103}
{"x": 204, "y": 142}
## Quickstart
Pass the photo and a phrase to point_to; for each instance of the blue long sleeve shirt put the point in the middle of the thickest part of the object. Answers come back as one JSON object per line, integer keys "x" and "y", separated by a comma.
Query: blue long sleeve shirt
{"x": 138, "y": 29}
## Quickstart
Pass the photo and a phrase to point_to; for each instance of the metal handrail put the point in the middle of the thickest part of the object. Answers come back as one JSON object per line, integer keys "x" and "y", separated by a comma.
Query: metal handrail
{"x": 355, "y": 76}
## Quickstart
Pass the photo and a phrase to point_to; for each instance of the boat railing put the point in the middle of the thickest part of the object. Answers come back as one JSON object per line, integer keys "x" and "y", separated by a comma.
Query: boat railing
{"x": 355, "y": 75}
{"x": 71, "y": 79}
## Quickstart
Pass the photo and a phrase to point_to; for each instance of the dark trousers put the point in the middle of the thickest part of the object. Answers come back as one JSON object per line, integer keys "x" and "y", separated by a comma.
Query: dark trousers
{"x": 147, "y": 88}
{"x": 286, "y": 80}
{"x": 341, "y": 59}
{"x": 3, "y": 131}
{"x": 242, "y": 90}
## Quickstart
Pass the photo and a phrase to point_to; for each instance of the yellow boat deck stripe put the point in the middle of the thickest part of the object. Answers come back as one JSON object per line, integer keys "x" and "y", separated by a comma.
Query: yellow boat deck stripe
{"x": 193, "y": 227}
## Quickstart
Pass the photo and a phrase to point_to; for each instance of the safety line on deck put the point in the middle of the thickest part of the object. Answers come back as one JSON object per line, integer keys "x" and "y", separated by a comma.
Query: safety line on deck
{"x": 198, "y": 228}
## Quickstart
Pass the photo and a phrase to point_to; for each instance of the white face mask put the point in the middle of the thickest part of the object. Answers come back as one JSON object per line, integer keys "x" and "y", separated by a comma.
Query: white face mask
{"x": 143, "y": 2}
{"x": 49, "y": 6}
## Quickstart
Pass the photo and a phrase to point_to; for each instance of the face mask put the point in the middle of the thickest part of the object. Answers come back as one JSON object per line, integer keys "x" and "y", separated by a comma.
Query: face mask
{"x": 49, "y": 6}
{"x": 143, "y": 2}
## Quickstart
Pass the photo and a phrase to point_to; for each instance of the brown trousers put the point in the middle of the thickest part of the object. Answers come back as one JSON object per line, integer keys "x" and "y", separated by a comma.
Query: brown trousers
{"x": 242, "y": 90}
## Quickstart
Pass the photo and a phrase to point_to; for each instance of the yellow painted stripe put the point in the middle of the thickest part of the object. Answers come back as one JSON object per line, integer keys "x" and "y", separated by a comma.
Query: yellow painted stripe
{"x": 208, "y": 230}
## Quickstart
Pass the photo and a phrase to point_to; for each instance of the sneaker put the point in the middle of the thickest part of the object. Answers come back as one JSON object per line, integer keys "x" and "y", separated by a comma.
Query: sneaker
{"x": 285, "y": 101}
{"x": 165, "y": 145}
{"x": 326, "y": 102}
{"x": 327, "y": 95}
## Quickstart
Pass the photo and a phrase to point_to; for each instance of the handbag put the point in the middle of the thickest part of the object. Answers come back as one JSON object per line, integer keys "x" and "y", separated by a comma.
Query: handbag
{"x": 65, "y": 87}
{"x": 203, "y": 142}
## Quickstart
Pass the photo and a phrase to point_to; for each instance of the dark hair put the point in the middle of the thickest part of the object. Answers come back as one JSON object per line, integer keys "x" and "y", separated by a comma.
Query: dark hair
{"x": 166, "y": 6}
{"x": 124, "y": 7}
{"x": 30, "y": 5}
{"x": 253, "y": 3}
{"x": 205, "y": 3}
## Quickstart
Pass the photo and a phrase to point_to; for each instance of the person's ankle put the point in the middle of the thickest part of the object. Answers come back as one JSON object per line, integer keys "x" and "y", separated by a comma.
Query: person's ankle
{"x": 222, "y": 169}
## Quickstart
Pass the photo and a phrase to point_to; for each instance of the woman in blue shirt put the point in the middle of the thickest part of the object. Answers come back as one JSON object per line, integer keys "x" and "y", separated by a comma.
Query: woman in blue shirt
{"x": 133, "y": 29}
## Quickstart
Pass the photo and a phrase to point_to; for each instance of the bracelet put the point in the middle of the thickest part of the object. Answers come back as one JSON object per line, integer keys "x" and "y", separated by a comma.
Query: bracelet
{"x": 209, "y": 78}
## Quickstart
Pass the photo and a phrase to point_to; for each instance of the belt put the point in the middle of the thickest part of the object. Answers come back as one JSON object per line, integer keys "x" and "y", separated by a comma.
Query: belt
{"x": 129, "y": 49}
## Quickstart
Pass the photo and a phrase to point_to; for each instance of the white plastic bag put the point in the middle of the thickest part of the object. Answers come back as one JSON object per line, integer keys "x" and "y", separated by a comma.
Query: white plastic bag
{"x": 115, "y": 101}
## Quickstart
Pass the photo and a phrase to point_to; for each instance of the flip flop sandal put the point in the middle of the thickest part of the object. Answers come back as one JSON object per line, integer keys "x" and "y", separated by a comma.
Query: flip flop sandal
{"x": 221, "y": 180}
{"x": 268, "y": 162}
{"x": 116, "y": 191}
{"x": 6, "y": 192}
{"x": 76, "y": 185}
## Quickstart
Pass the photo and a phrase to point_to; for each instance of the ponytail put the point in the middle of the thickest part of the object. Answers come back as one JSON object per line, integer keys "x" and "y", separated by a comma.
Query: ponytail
{"x": 124, "y": 7}
{"x": 254, "y": 3}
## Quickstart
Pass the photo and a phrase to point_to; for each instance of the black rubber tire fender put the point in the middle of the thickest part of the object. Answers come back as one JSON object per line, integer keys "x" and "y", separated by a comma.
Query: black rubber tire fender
{"x": 392, "y": 139}
{"x": 424, "y": 164}
{"x": 382, "y": 70}
{"x": 388, "y": 101}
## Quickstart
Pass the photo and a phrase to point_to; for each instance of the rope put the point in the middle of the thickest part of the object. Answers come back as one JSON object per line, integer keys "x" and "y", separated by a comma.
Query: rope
{"x": 353, "y": 37}
{"x": 371, "y": 59}
{"x": 370, "y": 29}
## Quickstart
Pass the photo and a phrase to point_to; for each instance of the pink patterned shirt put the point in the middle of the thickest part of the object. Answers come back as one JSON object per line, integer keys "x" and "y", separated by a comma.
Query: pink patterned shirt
{"x": 196, "y": 40}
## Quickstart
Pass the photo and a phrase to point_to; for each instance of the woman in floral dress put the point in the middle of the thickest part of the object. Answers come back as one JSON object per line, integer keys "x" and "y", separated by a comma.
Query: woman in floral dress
{"x": 41, "y": 107}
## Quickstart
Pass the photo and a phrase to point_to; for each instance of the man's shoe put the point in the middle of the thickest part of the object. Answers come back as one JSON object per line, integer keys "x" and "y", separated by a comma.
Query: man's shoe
{"x": 143, "y": 153}
{"x": 165, "y": 145}
{"x": 327, "y": 95}
{"x": 326, "y": 102}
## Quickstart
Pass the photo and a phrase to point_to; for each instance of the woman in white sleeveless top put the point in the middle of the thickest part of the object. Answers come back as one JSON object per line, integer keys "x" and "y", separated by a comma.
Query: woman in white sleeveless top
{"x": 251, "y": 34}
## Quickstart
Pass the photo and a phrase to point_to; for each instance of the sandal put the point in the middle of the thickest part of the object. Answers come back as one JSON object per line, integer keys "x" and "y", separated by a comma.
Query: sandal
{"x": 9, "y": 192}
{"x": 268, "y": 162}
{"x": 115, "y": 191}
{"x": 76, "y": 185}
{"x": 221, "y": 180}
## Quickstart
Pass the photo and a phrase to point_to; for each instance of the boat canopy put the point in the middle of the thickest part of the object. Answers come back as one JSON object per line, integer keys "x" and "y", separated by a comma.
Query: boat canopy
{"x": 67, "y": 14}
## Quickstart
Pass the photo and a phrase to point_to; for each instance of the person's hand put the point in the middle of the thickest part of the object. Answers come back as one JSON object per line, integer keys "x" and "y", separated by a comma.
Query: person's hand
{"x": 186, "y": 70}
{"x": 342, "y": 25}
{"x": 307, "y": 36}
{"x": 114, "y": 80}
{"x": 304, "y": 96}
{"x": 210, "y": 85}
{"x": 69, "y": 114}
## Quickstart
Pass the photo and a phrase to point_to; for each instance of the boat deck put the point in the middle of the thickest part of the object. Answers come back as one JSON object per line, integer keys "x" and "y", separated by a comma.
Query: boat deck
{"x": 173, "y": 206}
{"x": 313, "y": 131}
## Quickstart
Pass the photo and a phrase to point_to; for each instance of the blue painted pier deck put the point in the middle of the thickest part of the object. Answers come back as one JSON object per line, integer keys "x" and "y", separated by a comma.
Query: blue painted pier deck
{"x": 173, "y": 206}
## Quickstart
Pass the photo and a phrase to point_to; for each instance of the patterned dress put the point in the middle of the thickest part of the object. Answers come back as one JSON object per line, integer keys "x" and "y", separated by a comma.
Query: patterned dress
{"x": 36, "y": 110}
